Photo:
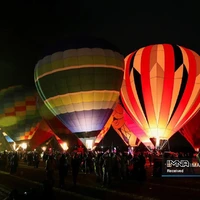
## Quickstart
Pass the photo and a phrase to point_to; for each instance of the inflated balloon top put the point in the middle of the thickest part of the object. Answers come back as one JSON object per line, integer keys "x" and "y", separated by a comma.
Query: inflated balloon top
{"x": 161, "y": 88}
{"x": 81, "y": 83}
{"x": 18, "y": 113}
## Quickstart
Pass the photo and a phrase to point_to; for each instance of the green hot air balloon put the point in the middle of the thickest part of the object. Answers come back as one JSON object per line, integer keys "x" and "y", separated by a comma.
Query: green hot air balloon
{"x": 18, "y": 112}
{"x": 80, "y": 81}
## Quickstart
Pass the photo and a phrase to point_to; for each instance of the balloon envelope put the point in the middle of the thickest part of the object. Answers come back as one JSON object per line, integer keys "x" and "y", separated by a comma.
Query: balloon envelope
{"x": 18, "y": 112}
{"x": 81, "y": 83}
{"x": 161, "y": 88}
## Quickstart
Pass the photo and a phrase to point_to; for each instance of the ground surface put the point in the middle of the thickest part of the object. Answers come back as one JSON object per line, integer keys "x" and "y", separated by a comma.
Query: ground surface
{"x": 152, "y": 189}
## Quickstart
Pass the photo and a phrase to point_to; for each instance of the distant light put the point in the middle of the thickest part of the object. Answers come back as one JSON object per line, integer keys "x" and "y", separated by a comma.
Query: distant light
{"x": 44, "y": 148}
{"x": 64, "y": 146}
{"x": 4, "y": 134}
{"x": 89, "y": 144}
{"x": 24, "y": 146}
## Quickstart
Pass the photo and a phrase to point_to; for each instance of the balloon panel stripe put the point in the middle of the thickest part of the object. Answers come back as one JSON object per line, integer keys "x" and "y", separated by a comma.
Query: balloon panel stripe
{"x": 179, "y": 63}
{"x": 76, "y": 81}
{"x": 126, "y": 92}
{"x": 53, "y": 63}
{"x": 146, "y": 92}
{"x": 76, "y": 68}
{"x": 189, "y": 76}
{"x": 90, "y": 96}
{"x": 192, "y": 89}
{"x": 168, "y": 84}
{"x": 83, "y": 106}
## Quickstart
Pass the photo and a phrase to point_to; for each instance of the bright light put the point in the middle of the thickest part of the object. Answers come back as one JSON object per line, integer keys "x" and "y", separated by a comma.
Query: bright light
{"x": 158, "y": 134}
{"x": 4, "y": 134}
{"x": 15, "y": 147}
{"x": 64, "y": 146}
{"x": 44, "y": 148}
{"x": 89, "y": 144}
{"x": 157, "y": 141}
{"x": 24, "y": 146}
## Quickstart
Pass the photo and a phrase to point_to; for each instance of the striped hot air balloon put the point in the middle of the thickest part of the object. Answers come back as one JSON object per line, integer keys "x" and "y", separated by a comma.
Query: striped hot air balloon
{"x": 19, "y": 117}
{"x": 81, "y": 83}
{"x": 161, "y": 88}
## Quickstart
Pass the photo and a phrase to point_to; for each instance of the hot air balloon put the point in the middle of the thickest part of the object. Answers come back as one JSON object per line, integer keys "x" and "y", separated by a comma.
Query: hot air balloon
{"x": 19, "y": 117}
{"x": 81, "y": 83}
{"x": 4, "y": 144}
{"x": 121, "y": 128}
{"x": 58, "y": 128}
{"x": 191, "y": 131}
{"x": 42, "y": 134}
{"x": 160, "y": 91}
{"x": 10, "y": 140}
{"x": 117, "y": 121}
{"x": 102, "y": 133}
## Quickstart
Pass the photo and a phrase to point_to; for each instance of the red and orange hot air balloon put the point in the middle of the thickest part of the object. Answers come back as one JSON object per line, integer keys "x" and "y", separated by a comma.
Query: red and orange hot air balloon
{"x": 160, "y": 91}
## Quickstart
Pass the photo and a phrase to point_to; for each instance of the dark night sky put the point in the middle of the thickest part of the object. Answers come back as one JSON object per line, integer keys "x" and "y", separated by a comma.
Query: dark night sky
{"x": 27, "y": 27}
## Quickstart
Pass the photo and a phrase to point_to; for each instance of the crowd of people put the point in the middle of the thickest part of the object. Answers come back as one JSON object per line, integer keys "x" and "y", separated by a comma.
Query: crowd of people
{"x": 107, "y": 166}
